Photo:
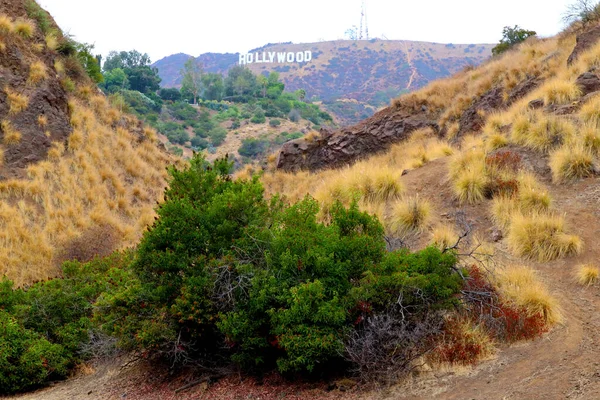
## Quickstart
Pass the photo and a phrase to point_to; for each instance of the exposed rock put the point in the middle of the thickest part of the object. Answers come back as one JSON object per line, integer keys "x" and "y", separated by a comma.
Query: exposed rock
{"x": 47, "y": 99}
{"x": 536, "y": 104}
{"x": 523, "y": 89}
{"x": 472, "y": 119}
{"x": 346, "y": 146}
{"x": 584, "y": 42}
{"x": 588, "y": 83}
{"x": 496, "y": 235}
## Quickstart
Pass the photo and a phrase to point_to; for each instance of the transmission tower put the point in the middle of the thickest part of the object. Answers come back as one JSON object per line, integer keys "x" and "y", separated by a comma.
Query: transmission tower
{"x": 363, "y": 32}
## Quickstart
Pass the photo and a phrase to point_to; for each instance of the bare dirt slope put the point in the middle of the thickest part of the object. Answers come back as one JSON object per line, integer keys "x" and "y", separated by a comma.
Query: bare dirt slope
{"x": 564, "y": 363}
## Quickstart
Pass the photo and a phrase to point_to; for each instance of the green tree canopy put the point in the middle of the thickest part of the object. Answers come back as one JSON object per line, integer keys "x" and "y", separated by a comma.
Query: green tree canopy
{"x": 511, "y": 37}
{"x": 241, "y": 82}
{"x": 213, "y": 86}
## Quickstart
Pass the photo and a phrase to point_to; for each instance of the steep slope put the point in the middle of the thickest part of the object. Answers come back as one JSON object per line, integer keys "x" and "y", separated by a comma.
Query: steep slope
{"x": 77, "y": 177}
{"x": 536, "y": 111}
{"x": 359, "y": 72}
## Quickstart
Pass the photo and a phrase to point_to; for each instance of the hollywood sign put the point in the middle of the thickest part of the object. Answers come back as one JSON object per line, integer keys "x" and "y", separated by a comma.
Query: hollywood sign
{"x": 275, "y": 57}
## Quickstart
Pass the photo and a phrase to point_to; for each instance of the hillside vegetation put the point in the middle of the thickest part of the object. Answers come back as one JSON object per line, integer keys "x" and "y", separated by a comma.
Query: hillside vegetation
{"x": 241, "y": 114}
{"x": 78, "y": 177}
{"x": 458, "y": 221}
{"x": 352, "y": 78}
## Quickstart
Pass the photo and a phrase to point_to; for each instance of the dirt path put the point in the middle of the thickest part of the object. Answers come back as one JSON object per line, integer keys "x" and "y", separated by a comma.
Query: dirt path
{"x": 564, "y": 364}
{"x": 414, "y": 73}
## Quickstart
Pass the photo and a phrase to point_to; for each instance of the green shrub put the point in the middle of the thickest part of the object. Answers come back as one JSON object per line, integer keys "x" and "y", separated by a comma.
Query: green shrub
{"x": 253, "y": 147}
{"x": 258, "y": 118}
{"x": 217, "y": 135}
{"x": 27, "y": 359}
{"x": 274, "y": 123}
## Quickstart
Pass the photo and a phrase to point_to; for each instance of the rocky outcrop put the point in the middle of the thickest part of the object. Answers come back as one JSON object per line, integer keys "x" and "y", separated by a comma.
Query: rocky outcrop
{"x": 523, "y": 89}
{"x": 45, "y": 119}
{"x": 584, "y": 42}
{"x": 588, "y": 82}
{"x": 472, "y": 120}
{"x": 346, "y": 146}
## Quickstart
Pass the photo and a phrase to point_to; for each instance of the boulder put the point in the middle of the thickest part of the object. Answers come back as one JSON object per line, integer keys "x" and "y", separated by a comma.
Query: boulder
{"x": 585, "y": 41}
{"x": 588, "y": 82}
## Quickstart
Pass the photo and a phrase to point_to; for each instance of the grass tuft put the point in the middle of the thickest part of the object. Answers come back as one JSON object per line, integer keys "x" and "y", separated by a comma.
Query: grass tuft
{"x": 37, "y": 73}
{"x": 409, "y": 215}
{"x": 17, "y": 102}
{"x": 587, "y": 274}
{"x": 443, "y": 237}
{"x": 11, "y": 135}
{"x": 571, "y": 162}
{"x": 521, "y": 286}
{"x": 471, "y": 185}
{"x": 24, "y": 28}
{"x": 541, "y": 237}
{"x": 6, "y": 24}
{"x": 560, "y": 92}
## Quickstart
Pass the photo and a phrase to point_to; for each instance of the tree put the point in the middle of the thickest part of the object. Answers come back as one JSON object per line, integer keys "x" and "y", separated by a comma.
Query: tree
{"x": 241, "y": 82}
{"x": 89, "y": 61}
{"x": 144, "y": 79}
{"x": 213, "y": 86}
{"x": 585, "y": 11}
{"x": 115, "y": 80}
{"x": 511, "y": 37}
{"x": 126, "y": 59}
{"x": 192, "y": 78}
{"x": 141, "y": 76}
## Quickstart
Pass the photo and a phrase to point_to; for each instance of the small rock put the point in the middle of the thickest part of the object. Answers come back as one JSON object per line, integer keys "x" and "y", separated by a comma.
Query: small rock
{"x": 497, "y": 235}
{"x": 535, "y": 104}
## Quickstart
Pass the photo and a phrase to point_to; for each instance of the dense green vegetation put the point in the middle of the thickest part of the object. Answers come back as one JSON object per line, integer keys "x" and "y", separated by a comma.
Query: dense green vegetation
{"x": 223, "y": 275}
{"x": 224, "y": 103}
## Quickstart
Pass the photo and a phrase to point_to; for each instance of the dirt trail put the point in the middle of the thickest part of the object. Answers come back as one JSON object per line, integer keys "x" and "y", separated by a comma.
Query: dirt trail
{"x": 414, "y": 73}
{"x": 564, "y": 364}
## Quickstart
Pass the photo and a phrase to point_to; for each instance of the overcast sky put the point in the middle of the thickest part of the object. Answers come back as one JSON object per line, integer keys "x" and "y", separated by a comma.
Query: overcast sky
{"x": 161, "y": 28}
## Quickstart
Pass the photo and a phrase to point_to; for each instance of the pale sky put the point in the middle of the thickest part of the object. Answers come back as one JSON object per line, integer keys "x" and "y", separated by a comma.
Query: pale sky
{"x": 162, "y": 28}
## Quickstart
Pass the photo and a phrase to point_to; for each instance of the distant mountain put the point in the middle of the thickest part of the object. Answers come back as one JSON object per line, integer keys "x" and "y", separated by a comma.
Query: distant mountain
{"x": 352, "y": 78}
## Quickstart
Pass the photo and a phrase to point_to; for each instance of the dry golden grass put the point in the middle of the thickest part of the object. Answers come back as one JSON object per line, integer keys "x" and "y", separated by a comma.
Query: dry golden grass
{"x": 6, "y": 24}
{"x": 51, "y": 41}
{"x": 11, "y": 135}
{"x": 92, "y": 184}
{"x": 471, "y": 185}
{"x": 541, "y": 237}
{"x": 571, "y": 162}
{"x": 42, "y": 120}
{"x": 17, "y": 102}
{"x": 444, "y": 236}
{"x": 590, "y": 111}
{"x": 495, "y": 141}
{"x": 410, "y": 214}
{"x": 522, "y": 287}
{"x": 590, "y": 138}
{"x": 560, "y": 92}
{"x": 24, "y": 28}
{"x": 37, "y": 73}
{"x": 587, "y": 274}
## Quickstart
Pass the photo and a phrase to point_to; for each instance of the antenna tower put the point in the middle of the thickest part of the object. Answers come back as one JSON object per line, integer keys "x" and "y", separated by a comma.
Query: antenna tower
{"x": 363, "y": 32}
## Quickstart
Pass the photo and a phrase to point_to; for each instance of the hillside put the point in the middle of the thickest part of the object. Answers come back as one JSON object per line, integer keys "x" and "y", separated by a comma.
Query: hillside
{"x": 445, "y": 247}
{"x": 353, "y": 78}
{"x": 77, "y": 176}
